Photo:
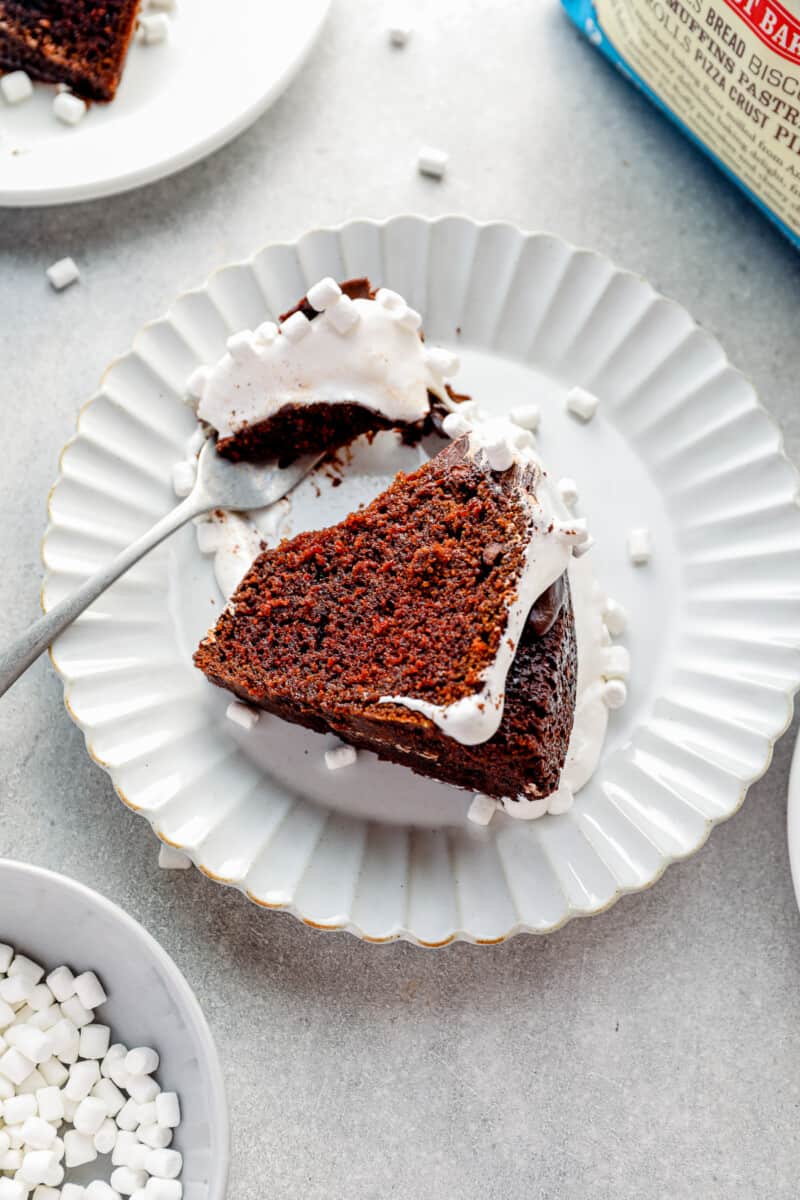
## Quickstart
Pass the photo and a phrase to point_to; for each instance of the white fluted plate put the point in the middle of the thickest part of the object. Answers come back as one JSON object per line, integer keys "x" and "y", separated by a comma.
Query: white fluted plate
{"x": 680, "y": 444}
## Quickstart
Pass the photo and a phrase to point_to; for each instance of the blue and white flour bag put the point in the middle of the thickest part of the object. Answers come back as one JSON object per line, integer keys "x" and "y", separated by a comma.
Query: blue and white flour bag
{"x": 727, "y": 72}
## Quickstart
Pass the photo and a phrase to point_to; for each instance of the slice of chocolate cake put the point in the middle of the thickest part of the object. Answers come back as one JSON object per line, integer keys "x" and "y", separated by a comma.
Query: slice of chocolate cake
{"x": 434, "y": 626}
{"x": 346, "y": 360}
{"x": 82, "y": 43}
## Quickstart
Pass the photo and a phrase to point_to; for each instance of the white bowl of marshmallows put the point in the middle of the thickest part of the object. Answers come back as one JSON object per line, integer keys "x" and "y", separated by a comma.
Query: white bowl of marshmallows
{"x": 110, "y": 1085}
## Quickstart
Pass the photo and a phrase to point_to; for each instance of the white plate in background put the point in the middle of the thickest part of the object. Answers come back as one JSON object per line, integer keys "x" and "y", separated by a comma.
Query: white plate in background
{"x": 221, "y": 67}
{"x": 680, "y": 444}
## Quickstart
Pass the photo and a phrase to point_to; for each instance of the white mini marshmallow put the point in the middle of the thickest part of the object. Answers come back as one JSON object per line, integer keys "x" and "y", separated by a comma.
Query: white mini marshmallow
{"x": 524, "y": 809}
{"x": 40, "y": 998}
{"x": 116, "y": 1053}
{"x": 46, "y": 1018}
{"x": 170, "y": 859}
{"x": 399, "y": 34}
{"x": 11, "y": 1161}
{"x": 432, "y": 162}
{"x": 168, "y": 1110}
{"x": 527, "y": 416}
{"x": 615, "y": 617}
{"x": 615, "y": 693}
{"x": 50, "y": 1104}
{"x": 61, "y": 983}
{"x": 106, "y": 1137}
{"x": 148, "y": 1114}
{"x": 184, "y": 474}
{"x": 82, "y": 1078}
{"x": 142, "y": 1060}
{"x": 128, "y": 1116}
{"x": 127, "y": 1181}
{"x": 343, "y": 315}
{"x": 6, "y": 1015}
{"x": 129, "y": 1151}
{"x": 266, "y": 333}
{"x": 18, "y": 1109}
{"x": 78, "y": 1148}
{"x": 37, "y": 1165}
{"x": 163, "y": 1189}
{"x": 163, "y": 5}
{"x": 16, "y": 86}
{"x": 54, "y": 1073}
{"x": 581, "y": 548}
{"x": 568, "y": 491}
{"x": 154, "y": 1136}
{"x": 482, "y": 809}
{"x": 242, "y": 715}
{"x": 32, "y": 1042}
{"x": 640, "y": 547}
{"x": 296, "y": 327}
{"x": 442, "y": 362}
{"x": 89, "y": 1115}
{"x": 6, "y": 955}
{"x": 209, "y": 537}
{"x": 77, "y": 1012}
{"x": 241, "y": 346}
{"x": 615, "y": 662}
{"x": 196, "y": 383}
{"x": 164, "y": 1164}
{"x": 73, "y": 1191}
{"x": 15, "y": 990}
{"x": 42, "y": 1192}
{"x": 66, "y": 1039}
{"x": 26, "y": 967}
{"x": 582, "y": 404}
{"x": 68, "y": 108}
{"x": 340, "y": 756}
{"x": 118, "y": 1072}
{"x": 560, "y": 801}
{"x": 15, "y": 1066}
{"x": 323, "y": 294}
{"x": 456, "y": 425}
{"x": 499, "y": 452}
{"x": 153, "y": 29}
{"x": 38, "y": 1134}
{"x": 411, "y": 320}
{"x": 107, "y": 1091}
{"x": 94, "y": 1041}
{"x": 142, "y": 1088}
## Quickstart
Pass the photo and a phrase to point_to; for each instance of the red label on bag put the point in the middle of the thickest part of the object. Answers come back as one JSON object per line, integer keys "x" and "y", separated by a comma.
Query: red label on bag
{"x": 773, "y": 24}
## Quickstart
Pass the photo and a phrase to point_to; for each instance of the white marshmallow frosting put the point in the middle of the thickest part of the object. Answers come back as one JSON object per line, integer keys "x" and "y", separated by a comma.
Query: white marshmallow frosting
{"x": 366, "y": 352}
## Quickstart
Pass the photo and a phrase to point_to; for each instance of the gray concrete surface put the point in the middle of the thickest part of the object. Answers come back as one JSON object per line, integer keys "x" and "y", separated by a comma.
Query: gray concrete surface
{"x": 650, "y": 1052}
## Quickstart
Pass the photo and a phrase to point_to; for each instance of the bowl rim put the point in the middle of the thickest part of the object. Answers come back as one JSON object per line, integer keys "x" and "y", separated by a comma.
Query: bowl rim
{"x": 217, "y": 1099}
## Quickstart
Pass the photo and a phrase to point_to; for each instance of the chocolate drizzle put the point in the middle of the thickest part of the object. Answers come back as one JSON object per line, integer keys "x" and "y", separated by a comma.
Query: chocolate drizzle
{"x": 546, "y": 609}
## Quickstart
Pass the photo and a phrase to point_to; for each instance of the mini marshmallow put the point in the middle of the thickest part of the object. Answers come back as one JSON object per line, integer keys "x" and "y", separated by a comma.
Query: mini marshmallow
{"x": 482, "y": 809}
{"x": 127, "y": 1181}
{"x": 6, "y": 955}
{"x": 296, "y": 327}
{"x": 5, "y": 1142}
{"x": 581, "y": 404}
{"x": 162, "y": 1189}
{"x": 15, "y": 989}
{"x": 148, "y": 1114}
{"x": 153, "y": 29}
{"x": 38, "y": 1134}
{"x": 640, "y": 548}
{"x": 164, "y": 1164}
{"x": 340, "y": 756}
{"x": 168, "y": 1110}
{"x": 411, "y": 320}
{"x": 393, "y": 302}
{"x": 6, "y": 1088}
{"x": 116, "y": 1053}
{"x": 89, "y": 1115}
{"x": 456, "y": 425}
{"x": 323, "y": 294}
{"x": 615, "y": 662}
{"x": 560, "y": 801}
{"x": 10, "y": 1161}
{"x": 74, "y": 1010}
{"x": 499, "y": 452}
{"x": 69, "y": 108}
{"x": 90, "y": 990}
{"x": 123, "y": 1151}
{"x": 241, "y": 346}
{"x": 78, "y": 1148}
{"x": 54, "y": 1073}
{"x": 432, "y": 162}
{"x": 16, "y": 86}
{"x": 583, "y": 547}
{"x": 18, "y": 1109}
{"x": 31, "y": 1083}
{"x": 399, "y": 34}
{"x": 65, "y": 1038}
{"x": 82, "y": 1078}
{"x": 209, "y": 538}
{"x": 142, "y": 1088}
{"x": 134, "y": 1154}
{"x": 37, "y": 1165}
{"x": 568, "y": 491}
{"x": 6, "y": 1014}
{"x": 118, "y": 1073}
{"x": 574, "y": 530}
{"x": 615, "y": 693}
{"x": 26, "y": 967}
{"x": 106, "y": 1137}
{"x": 525, "y": 809}
{"x": 94, "y": 1040}
{"x": 442, "y": 362}
{"x": 55, "y": 1176}
{"x": 343, "y": 315}
{"x": 142, "y": 1060}
{"x": 15, "y": 1066}
{"x": 33, "y": 1043}
{"x": 170, "y": 859}
{"x": 154, "y": 1136}
{"x": 527, "y": 416}
{"x": 163, "y": 5}
{"x": 73, "y": 1191}
{"x": 50, "y": 1104}
{"x": 184, "y": 474}
{"x": 242, "y": 715}
{"x": 46, "y": 1018}
{"x": 615, "y": 617}
{"x": 128, "y": 1116}
{"x": 266, "y": 333}
{"x": 107, "y": 1091}
{"x": 43, "y": 1192}
{"x": 196, "y": 383}
{"x": 40, "y": 998}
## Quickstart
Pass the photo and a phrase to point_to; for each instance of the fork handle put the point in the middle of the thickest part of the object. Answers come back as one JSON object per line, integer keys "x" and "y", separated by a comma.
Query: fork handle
{"x": 26, "y": 649}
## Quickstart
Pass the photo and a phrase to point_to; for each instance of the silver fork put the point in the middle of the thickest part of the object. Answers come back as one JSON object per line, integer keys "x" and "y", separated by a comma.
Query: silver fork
{"x": 219, "y": 484}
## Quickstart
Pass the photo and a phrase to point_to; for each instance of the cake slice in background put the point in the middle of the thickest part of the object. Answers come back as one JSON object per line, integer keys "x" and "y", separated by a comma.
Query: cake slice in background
{"x": 433, "y": 627}
{"x": 82, "y": 43}
{"x": 345, "y": 361}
